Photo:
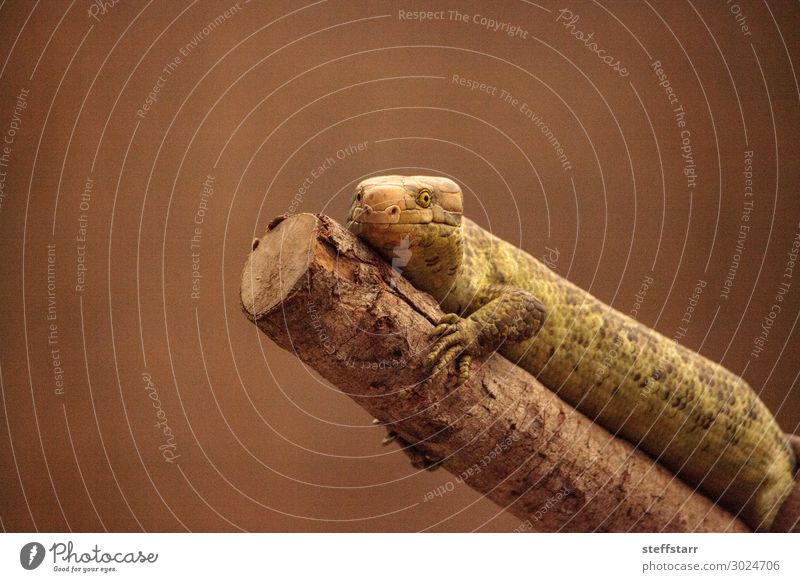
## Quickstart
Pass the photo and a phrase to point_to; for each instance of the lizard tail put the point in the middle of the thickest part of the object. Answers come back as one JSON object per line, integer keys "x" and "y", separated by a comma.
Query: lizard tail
{"x": 794, "y": 441}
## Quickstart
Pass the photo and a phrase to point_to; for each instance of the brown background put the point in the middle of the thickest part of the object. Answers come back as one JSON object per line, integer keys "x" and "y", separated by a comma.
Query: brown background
{"x": 260, "y": 102}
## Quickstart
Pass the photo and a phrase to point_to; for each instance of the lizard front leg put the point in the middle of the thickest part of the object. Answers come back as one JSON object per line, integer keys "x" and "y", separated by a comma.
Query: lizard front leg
{"x": 507, "y": 314}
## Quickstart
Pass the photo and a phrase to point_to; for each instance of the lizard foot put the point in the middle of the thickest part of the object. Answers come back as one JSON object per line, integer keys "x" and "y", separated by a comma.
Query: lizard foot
{"x": 418, "y": 459}
{"x": 455, "y": 340}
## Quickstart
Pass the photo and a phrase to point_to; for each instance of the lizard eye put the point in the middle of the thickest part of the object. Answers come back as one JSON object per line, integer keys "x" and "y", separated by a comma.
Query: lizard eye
{"x": 424, "y": 198}
{"x": 360, "y": 195}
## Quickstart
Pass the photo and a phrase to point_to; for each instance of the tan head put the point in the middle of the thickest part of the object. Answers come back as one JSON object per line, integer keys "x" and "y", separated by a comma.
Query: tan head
{"x": 413, "y": 221}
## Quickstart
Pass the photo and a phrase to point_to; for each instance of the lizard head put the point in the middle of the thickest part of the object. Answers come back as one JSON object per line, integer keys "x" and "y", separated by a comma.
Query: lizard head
{"x": 414, "y": 222}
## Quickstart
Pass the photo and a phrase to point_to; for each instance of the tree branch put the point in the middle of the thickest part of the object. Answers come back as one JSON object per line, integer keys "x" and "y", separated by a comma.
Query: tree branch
{"x": 318, "y": 291}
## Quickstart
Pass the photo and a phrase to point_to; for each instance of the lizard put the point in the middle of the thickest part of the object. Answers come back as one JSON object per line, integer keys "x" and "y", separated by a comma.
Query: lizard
{"x": 690, "y": 414}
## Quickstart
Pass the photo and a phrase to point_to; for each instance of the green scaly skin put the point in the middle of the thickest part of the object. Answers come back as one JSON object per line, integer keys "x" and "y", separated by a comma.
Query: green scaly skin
{"x": 689, "y": 413}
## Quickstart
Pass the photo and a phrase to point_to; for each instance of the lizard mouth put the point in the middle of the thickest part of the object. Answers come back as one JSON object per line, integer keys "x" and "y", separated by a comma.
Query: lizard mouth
{"x": 366, "y": 215}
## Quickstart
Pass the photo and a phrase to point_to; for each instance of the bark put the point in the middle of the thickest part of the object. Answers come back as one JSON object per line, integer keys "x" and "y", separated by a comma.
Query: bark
{"x": 318, "y": 291}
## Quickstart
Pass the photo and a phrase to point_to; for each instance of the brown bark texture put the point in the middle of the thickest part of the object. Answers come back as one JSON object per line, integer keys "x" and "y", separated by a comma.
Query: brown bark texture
{"x": 318, "y": 291}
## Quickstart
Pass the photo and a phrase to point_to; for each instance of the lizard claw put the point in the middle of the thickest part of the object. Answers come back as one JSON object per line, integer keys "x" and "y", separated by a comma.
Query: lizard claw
{"x": 444, "y": 325}
{"x": 456, "y": 339}
{"x": 464, "y": 368}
